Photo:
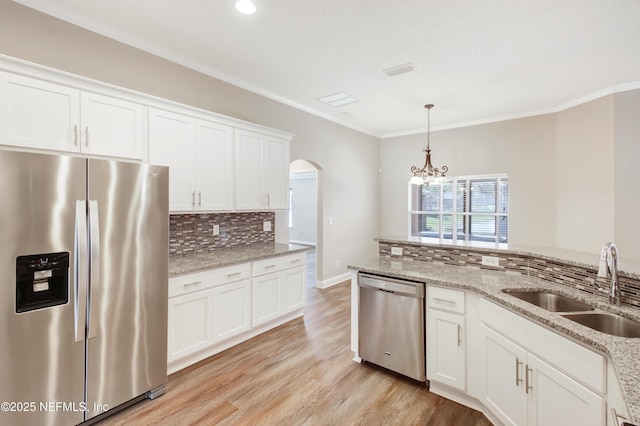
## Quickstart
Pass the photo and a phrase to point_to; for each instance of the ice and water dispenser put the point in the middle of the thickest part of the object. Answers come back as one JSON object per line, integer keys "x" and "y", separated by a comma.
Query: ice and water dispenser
{"x": 42, "y": 281}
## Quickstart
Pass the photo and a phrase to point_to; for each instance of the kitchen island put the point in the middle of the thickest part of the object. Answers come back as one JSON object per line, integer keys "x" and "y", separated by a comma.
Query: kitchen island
{"x": 458, "y": 267}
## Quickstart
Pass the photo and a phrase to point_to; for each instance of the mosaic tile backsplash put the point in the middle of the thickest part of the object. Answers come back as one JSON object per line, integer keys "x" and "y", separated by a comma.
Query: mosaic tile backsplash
{"x": 192, "y": 233}
{"x": 571, "y": 276}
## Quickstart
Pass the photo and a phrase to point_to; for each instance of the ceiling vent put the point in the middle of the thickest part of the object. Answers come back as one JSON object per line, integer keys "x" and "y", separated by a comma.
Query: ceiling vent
{"x": 400, "y": 69}
{"x": 338, "y": 99}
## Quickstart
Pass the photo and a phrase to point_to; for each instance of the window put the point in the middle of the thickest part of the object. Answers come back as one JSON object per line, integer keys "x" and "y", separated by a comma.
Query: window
{"x": 471, "y": 208}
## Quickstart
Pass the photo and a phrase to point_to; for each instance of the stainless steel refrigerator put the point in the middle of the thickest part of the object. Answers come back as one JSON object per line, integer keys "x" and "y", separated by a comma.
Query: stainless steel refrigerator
{"x": 83, "y": 286}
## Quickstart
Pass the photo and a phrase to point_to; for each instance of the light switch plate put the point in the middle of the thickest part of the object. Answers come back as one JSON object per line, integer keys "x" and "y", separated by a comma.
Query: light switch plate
{"x": 266, "y": 226}
{"x": 216, "y": 230}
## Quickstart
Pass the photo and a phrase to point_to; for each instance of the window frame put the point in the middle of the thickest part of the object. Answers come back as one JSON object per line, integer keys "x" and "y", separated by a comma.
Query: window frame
{"x": 466, "y": 235}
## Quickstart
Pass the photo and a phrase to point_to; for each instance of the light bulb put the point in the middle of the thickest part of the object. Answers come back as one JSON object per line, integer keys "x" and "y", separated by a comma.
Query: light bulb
{"x": 416, "y": 180}
{"x": 245, "y": 6}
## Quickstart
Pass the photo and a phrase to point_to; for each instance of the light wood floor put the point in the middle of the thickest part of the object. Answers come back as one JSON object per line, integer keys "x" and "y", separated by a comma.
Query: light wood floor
{"x": 300, "y": 373}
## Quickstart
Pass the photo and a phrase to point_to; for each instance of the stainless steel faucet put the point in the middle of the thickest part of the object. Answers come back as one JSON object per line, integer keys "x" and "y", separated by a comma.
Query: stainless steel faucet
{"x": 609, "y": 269}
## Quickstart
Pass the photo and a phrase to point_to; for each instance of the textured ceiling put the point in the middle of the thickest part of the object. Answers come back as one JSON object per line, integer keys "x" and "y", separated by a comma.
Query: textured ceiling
{"x": 476, "y": 60}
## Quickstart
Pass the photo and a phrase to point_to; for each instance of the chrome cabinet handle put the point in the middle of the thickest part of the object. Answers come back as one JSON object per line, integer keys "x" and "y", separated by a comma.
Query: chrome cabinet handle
{"x": 199, "y": 198}
{"x": 86, "y": 136}
{"x": 518, "y": 379}
{"x": 191, "y": 284}
{"x": 268, "y": 199}
{"x": 235, "y": 274}
{"x": 459, "y": 335}
{"x": 437, "y": 299}
{"x": 526, "y": 376}
{"x": 75, "y": 135}
{"x": 269, "y": 266}
{"x": 296, "y": 260}
{"x": 193, "y": 198}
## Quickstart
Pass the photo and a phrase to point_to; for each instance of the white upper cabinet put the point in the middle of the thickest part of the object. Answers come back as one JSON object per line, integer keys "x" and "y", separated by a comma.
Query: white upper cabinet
{"x": 214, "y": 165}
{"x": 217, "y": 163}
{"x": 171, "y": 144}
{"x": 262, "y": 172}
{"x": 199, "y": 154}
{"x": 43, "y": 115}
{"x": 38, "y": 114}
{"x": 276, "y": 173}
{"x": 111, "y": 127}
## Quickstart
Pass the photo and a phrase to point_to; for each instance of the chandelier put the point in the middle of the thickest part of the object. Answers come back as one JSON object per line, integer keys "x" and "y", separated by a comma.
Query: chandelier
{"x": 428, "y": 173}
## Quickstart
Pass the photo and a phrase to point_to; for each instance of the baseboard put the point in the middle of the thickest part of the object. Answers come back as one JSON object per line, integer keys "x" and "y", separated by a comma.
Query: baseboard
{"x": 334, "y": 280}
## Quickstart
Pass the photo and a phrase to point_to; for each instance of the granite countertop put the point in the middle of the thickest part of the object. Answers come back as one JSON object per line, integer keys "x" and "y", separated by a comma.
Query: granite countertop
{"x": 230, "y": 256}
{"x": 623, "y": 352}
{"x": 626, "y": 267}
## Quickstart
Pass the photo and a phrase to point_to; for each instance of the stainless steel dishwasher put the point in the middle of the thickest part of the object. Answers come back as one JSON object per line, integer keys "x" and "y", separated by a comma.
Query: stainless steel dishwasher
{"x": 391, "y": 324}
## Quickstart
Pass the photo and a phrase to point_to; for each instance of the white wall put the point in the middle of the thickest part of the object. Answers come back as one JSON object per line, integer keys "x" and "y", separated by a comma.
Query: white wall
{"x": 627, "y": 173}
{"x": 585, "y": 207}
{"x": 523, "y": 148}
{"x": 574, "y": 176}
{"x": 304, "y": 208}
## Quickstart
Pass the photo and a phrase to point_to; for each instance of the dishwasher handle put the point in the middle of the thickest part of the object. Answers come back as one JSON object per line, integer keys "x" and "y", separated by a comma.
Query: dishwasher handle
{"x": 392, "y": 285}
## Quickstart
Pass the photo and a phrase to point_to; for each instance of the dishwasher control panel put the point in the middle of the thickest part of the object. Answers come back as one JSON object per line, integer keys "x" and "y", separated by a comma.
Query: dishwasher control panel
{"x": 395, "y": 286}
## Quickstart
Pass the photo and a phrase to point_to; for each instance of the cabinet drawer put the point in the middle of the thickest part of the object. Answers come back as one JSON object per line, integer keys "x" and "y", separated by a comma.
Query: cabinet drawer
{"x": 446, "y": 299}
{"x": 275, "y": 264}
{"x": 184, "y": 284}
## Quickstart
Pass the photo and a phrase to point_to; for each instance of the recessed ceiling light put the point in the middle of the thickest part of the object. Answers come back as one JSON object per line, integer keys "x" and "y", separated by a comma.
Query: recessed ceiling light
{"x": 245, "y": 6}
{"x": 338, "y": 99}
{"x": 400, "y": 69}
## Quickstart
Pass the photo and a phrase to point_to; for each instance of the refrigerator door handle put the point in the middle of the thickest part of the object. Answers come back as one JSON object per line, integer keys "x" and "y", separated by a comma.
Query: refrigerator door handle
{"x": 81, "y": 271}
{"x": 94, "y": 268}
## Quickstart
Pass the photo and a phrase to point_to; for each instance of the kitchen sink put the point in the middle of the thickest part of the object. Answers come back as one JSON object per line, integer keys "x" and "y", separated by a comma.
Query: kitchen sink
{"x": 607, "y": 323}
{"x": 549, "y": 301}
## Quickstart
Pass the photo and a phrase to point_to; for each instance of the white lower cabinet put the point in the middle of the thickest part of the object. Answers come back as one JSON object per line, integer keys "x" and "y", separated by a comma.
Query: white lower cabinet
{"x": 213, "y": 310}
{"x": 190, "y": 324}
{"x": 503, "y": 363}
{"x": 555, "y": 398}
{"x": 521, "y": 388}
{"x": 278, "y": 287}
{"x": 446, "y": 348}
{"x": 231, "y": 309}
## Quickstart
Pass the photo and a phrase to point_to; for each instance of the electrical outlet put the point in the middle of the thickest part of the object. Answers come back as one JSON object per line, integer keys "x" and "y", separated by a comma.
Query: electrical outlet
{"x": 396, "y": 251}
{"x": 266, "y": 226}
{"x": 216, "y": 230}
{"x": 490, "y": 261}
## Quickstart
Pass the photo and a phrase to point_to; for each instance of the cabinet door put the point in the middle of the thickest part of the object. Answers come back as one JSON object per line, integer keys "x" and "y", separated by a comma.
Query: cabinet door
{"x": 266, "y": 298}
{"x": 249, "y": 173}
{"x": 276, "y": 173}
{"x": 503, "y": 363}
{"x": 112, "y": 126}
{"x": 231, "y": 309}
{"x": 214, "y": 166}
{"x": 293, "y": 289}
{"x": 446, "y": 360}
{"x": 190, "y": 321}
{"x": 171, "y": 144}
{"x": 38, "y": 114}
{"x": 556, "y": 399}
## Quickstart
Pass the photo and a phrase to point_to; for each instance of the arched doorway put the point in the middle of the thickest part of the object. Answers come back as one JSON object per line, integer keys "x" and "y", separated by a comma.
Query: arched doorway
{"x": 305, "y": 213}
